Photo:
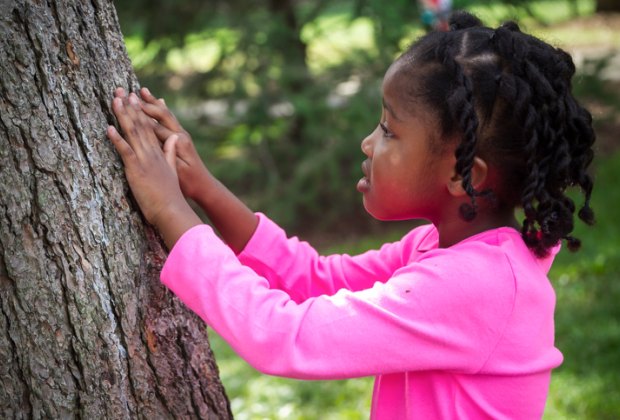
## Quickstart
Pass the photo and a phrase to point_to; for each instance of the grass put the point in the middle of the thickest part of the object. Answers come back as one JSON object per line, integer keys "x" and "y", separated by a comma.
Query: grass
{"x": 256, "y": 396}
{"x": 587, "y": 385}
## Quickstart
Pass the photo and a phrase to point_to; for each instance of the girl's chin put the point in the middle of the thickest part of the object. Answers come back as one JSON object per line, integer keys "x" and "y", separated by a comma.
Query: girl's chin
{"x": 375, "y": 213}
{"x": 386, "y": 215}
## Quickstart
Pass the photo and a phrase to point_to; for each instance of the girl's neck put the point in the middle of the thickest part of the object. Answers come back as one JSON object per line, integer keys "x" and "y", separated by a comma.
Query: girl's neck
{"x": 454, "y": 229}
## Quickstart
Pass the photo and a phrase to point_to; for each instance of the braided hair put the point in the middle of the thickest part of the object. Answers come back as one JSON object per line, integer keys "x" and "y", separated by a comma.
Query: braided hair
{"x": 506, "y": 96}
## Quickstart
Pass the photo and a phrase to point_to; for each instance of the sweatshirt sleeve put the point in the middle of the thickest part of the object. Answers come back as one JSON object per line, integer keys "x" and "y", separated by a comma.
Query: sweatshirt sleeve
{"x": 297, "y": 268}
{"x": 422, "y": 319}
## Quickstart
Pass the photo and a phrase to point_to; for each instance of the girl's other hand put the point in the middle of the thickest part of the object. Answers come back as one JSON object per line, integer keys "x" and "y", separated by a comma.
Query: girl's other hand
{"x": 193, "y": 174}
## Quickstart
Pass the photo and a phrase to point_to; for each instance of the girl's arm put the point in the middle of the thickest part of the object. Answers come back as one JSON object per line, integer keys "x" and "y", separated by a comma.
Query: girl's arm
{"x": 234, "y": 221}
{"x": 440, "y": 314}
{"x": 294, "y": 266}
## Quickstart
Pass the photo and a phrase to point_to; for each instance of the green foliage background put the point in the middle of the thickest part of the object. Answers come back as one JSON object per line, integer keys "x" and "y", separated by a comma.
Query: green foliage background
{"x": 278, "y": 96}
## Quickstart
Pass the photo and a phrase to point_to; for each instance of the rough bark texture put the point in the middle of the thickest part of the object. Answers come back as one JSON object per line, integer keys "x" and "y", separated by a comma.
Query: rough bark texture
{"x": 86, "y": 329}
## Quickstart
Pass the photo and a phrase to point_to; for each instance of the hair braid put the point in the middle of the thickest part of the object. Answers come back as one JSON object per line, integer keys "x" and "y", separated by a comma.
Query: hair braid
{"x": 548, "y": 212}
{"x": 462, "y": 107}
{"x": 582, "y": 157}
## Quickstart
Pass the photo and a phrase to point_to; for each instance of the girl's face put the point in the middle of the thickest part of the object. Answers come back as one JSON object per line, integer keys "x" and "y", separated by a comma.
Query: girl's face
{"x": 405, "y": 177}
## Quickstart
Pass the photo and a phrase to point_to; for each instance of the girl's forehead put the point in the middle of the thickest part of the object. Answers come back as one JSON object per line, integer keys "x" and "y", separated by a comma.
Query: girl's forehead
{"x": 396, "y": 87}
{"x": 392, "y": 72}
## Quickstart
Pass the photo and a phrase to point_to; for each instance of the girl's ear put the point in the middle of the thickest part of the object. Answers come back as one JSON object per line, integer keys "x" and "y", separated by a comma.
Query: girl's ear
{"x": 479, "y": 172}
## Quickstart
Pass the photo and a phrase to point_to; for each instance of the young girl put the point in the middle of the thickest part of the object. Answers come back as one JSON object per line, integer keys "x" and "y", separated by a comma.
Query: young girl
{"x": 456, "y": 319}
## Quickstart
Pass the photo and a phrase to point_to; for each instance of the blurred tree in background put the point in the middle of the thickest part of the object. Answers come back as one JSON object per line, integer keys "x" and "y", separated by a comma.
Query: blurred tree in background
{"x": 279, "y": 94}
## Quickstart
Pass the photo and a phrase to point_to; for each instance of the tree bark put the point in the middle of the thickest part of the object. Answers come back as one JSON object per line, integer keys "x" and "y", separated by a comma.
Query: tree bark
{"x": 86, "y": 328}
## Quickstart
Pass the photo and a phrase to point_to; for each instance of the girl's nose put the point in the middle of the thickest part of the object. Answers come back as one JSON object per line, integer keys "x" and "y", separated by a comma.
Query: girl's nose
{"x": 367, "y": 145}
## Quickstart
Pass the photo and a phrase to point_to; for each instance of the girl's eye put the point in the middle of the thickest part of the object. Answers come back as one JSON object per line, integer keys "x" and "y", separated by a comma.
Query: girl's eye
{"x": 386, "y": 133}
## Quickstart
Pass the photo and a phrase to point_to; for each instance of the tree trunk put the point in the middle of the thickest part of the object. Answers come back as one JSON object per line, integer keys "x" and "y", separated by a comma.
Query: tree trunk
{"x": 86, "y": 329}
{"x": 607, "y": 5}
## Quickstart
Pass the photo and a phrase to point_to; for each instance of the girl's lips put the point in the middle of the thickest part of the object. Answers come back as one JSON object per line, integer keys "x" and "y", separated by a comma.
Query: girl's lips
{"x": 366, "y": 168}
{"x": 364, "y": 184}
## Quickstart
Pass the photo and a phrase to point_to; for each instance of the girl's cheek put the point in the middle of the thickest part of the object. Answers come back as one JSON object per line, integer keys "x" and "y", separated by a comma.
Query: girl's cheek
{"x": 395, "y": 159}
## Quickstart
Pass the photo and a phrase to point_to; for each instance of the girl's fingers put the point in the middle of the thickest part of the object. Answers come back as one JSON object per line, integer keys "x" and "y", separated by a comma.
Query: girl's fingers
{"x": 170, "y": 152}
{"x": 156, "y": 109}
{"x": 136, "y": 126}
{"x": 162, "y": 115}
{"x": 130, "y": 122}
{"x": 122, "y": 111}
{"x": 146, "y": 94}
{"x": 123, "y": 148}
{"x": 152, "y": 107}
{"x": 161, "y": 132}
{"x": 143, "y": 122}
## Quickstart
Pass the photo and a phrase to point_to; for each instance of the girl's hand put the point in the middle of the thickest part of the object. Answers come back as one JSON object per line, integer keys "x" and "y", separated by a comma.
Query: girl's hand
{"x": 150, "y": 170}
{"x": 233, "y": 219}
{"x": 192, "y": 173}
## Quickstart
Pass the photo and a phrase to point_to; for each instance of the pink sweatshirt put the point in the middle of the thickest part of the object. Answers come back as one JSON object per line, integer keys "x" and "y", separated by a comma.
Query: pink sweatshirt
{"x": 450, "y": 333}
